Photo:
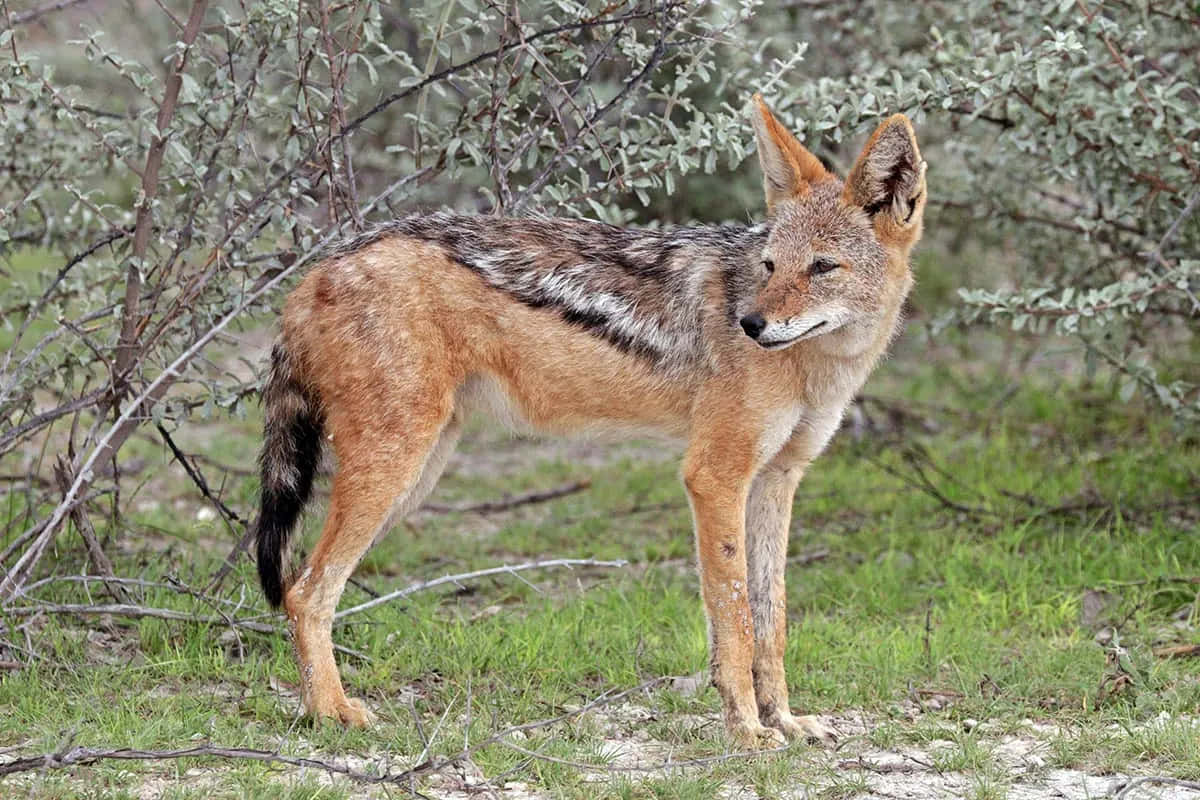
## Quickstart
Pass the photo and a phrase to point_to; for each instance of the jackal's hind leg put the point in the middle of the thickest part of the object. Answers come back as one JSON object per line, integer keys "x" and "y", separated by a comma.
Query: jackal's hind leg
{"x": 768, "y": 517}
{"x": 372, "y": 483}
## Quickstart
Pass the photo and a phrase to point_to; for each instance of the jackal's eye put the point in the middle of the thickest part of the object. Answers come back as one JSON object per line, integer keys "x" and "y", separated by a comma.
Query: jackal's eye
{"x": 769, "y": 266}
{"x": 822, "y": 265}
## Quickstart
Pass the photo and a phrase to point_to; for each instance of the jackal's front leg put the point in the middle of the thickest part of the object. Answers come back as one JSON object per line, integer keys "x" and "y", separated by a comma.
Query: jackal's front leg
{"x": 718, "y": 494}
{"x": 768, "y": 517}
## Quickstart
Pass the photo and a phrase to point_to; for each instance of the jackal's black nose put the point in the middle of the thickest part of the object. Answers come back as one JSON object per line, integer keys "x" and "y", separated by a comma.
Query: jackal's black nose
{"x": 753, "y": 324}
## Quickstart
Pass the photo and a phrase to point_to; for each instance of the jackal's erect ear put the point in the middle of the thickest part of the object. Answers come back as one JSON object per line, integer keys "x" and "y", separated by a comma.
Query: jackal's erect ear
{"x": 787, "y": 167}
{"x": 888, "y": 180}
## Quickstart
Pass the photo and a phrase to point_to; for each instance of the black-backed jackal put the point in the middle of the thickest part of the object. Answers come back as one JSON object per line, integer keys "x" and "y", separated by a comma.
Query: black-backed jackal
{"x": 746, "y": 343}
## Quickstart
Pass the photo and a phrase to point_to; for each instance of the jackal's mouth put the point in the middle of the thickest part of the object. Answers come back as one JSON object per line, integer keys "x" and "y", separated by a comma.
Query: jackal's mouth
{"x": 782, "y": 343}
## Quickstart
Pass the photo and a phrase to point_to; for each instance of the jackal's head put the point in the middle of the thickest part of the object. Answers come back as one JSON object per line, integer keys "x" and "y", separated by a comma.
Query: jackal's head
{"x": 837, "y": 254}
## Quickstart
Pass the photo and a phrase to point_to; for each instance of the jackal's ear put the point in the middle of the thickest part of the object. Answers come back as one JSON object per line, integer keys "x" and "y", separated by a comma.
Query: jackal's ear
{"x": 888, "y": 180}
{"x": 787, "y": 167}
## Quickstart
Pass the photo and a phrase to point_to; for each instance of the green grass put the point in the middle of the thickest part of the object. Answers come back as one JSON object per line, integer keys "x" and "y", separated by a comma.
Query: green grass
{"x": 974, "y": 597}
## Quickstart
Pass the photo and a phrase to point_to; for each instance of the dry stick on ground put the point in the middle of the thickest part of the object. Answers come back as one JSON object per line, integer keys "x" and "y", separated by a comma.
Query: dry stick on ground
{"x": 884, "y": 767}
{"x": 809, "y": 557}
{"x": 69, "y": 756}
{"x": 1125, "y": 790}
{"x": 528, "y": 498}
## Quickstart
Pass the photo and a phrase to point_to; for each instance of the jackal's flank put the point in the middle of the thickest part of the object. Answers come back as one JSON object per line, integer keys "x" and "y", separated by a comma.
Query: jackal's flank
{"x": 745, "y": 343}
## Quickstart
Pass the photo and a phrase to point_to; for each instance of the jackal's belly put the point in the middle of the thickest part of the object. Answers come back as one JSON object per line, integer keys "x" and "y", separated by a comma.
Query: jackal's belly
{"x": 568, "y": 410}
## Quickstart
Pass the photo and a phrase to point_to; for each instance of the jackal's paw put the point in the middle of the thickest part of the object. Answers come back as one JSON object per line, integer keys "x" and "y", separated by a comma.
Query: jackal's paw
{"x": 755, "y": 736}
{"x": 351, "y": 712}
{"x": 808, "y": 728}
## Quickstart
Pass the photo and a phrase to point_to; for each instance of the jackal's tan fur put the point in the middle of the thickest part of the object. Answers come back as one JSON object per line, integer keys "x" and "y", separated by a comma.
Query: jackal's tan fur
{"x": 745, "y": 343}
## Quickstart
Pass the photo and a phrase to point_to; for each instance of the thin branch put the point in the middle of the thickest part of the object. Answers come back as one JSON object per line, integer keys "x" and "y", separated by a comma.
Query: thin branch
{"x": 41, "y": 11}
{"x": 88, "y": 533}
{"x": 594, "y": 22}
{"x": 528, "y": 498}
{"x": 78, "y": 756}
{"x": 1148, "y": 779}
{"x": 656, "y": 55}
{"x": 151, "y": 612}
{"x": 131, "y": 321}
{"x": 570, "y": 563}
{"x": 198, "y": 479}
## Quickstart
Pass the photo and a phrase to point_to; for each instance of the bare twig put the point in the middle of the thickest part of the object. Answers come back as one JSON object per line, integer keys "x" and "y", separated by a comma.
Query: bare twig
{"x": 556, "y": 30}
{"x": 141, "y": 612}
{"x": 656, "y": 55}
{"x": 528, "y": 498}
{"x": 569, "y": 563}
{"x": 88, "y": 533}
{"x": 1130, "y": 785}
{"x": 41, "y": 11}
{"x": 810, "y": 557}
{"x": 77, "y": 756}
{"x": 198, "y": 478}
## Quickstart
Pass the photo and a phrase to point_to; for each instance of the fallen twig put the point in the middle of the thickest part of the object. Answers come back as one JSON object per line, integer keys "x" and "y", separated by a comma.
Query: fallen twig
{"x": 90, "y": 755}
{"x": 67, "y": 756}
{"x": 570, "y": 563}
{"x": 1124, "y": 790}
{"x": 1177, "y": 651}
{"x": 505, "y": 504}
{"x": 809, "y": 557}
{"x": 485, "y": 507}
{"x": 883, "y": 767}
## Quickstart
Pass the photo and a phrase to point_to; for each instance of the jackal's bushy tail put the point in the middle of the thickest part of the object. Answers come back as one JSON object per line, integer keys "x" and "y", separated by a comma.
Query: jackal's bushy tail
{"x": 290, "y": 455}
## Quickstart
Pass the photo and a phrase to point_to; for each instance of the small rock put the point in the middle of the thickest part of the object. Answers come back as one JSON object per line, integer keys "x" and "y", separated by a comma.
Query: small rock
{"x": 690, "y": 685}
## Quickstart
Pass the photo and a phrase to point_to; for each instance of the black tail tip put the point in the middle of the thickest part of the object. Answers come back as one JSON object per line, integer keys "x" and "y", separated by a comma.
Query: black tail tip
{"x": 270, "y": 569}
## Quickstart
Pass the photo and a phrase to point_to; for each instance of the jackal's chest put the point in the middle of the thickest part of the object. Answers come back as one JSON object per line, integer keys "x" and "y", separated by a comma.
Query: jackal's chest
{"x": 810, "y": 426}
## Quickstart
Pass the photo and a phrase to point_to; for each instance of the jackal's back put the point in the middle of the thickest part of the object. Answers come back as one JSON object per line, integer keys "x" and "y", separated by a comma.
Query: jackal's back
{"x": 646, "y": 292}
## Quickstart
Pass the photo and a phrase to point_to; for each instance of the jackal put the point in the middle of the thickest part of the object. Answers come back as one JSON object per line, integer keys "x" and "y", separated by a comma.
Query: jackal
{"x": 746, "y": 343}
